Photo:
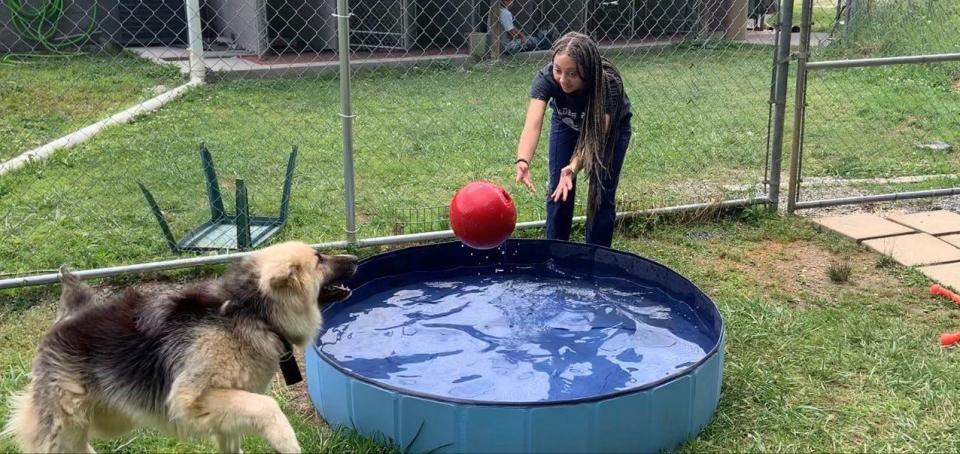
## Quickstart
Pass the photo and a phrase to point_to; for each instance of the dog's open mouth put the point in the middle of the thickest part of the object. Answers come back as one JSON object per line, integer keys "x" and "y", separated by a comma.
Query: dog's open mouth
{"x": 331, "y": 293}
{"x": 338, "y": 270}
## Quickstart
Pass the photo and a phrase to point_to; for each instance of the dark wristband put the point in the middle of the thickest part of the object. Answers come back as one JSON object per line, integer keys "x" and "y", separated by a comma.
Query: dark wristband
{"x": 518, "y": 161}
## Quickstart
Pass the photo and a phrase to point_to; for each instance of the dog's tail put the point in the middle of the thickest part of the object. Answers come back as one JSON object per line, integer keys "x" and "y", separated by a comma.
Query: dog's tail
{"x": 75, "y": 294}
{"x": 23, "y": 424}
{"x": 39, "y": 422}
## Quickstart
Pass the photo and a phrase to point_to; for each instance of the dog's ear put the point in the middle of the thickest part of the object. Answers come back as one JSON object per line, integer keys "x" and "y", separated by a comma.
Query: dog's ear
{"x": 290, "y": 279}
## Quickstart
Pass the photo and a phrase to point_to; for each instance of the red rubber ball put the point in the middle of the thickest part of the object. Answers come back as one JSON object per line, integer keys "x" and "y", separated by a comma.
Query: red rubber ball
{"x": 482, "y": 215}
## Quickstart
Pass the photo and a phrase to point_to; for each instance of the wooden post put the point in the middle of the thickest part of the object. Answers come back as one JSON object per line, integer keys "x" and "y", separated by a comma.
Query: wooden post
{"x": 735, "y": 20}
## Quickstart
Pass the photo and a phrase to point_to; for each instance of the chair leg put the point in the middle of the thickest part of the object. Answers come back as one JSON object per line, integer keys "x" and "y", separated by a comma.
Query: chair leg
{"x": 287, "y": 184}
{"x": 167, "y": 234}
{"x": 217, "y": 212}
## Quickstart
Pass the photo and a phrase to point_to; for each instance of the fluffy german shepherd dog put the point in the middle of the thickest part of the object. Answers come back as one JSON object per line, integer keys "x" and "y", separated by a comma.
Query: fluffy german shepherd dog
{"x": 190, "y": 362}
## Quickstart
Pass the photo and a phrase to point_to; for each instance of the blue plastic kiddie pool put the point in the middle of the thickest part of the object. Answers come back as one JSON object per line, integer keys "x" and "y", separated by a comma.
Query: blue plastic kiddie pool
{"x": 537, "y": 346}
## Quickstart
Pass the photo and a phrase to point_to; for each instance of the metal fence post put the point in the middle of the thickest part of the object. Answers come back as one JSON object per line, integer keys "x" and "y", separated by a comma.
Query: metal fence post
{"x": 799, "y": 106}
{"x": 346, "y": 116}
{"x": 198, "y": 70}
{"x": 780, "y": 101}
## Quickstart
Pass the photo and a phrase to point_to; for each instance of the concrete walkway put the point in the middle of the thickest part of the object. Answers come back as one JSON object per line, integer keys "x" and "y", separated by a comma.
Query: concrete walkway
{"x": 243, "y": 65}
{"x": 929, "y": 240}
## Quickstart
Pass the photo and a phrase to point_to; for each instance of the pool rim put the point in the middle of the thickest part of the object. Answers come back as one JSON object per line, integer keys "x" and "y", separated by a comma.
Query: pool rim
{"x": 688, "y": 370}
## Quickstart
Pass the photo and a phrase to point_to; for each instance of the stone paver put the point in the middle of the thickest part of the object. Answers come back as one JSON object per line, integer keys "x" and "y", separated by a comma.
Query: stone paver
{"x": 863, "y": 226}
{"x": 953, "y": 239}
{"x": 938, "y": 222}
{"x": 948, "y": 274}
{"x": 915, "y": 249}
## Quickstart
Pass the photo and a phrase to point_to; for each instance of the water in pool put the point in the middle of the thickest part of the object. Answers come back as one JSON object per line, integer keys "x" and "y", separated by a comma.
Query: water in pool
{"x": 517, "y": 336}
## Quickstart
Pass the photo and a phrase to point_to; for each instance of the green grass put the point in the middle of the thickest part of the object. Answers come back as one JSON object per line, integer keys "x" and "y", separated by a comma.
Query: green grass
{"x": 45, "y": 99}
{"x": 824, "y": 14}
{"x": 809, "y": 365}
{"x": 866, "y": 122}
{"x": 888, "y": 28}
{"x": 839, "y": 273}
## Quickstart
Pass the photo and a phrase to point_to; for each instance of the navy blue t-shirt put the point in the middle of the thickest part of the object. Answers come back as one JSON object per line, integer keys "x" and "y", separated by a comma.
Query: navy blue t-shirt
{"x": 570, "y": 108}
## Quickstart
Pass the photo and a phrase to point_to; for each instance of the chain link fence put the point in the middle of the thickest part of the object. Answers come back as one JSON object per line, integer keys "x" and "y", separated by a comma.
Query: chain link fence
{"x": 213, "y": 96}
{"x": 879, "y": 105}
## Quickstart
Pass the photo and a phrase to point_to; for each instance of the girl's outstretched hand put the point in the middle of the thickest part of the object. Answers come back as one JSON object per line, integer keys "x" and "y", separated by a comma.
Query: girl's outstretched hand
{"x": 523, "y": 175}
{"x": 564, "y": 186}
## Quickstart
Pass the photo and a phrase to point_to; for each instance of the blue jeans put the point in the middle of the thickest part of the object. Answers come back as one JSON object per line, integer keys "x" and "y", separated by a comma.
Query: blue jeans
{"x": 537, "y": 41}
{"x": 599, "y": 229}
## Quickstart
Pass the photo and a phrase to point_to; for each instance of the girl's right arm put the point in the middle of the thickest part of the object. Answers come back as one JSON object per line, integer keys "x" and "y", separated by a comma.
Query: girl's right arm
{"x": 529, "y": 138}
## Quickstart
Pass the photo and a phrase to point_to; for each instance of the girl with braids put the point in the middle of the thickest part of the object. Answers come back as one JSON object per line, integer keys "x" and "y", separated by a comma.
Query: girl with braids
{"x": 589, "y": 130}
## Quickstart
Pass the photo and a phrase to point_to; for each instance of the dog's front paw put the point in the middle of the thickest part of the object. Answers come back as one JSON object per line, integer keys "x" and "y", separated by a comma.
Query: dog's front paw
{"x": 283, "y": 440}
{"x": 288, "y": 446}
{"x": 229, "y": 444}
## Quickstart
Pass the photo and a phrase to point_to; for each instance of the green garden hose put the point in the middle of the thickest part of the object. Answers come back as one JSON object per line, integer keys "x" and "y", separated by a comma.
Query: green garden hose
{"x": 40, "y": 25}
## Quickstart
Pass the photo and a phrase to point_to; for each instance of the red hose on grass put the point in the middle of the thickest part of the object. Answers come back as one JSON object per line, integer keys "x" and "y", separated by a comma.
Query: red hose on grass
{"x": 947, "y": 338}
{"x": 936, "y": 289}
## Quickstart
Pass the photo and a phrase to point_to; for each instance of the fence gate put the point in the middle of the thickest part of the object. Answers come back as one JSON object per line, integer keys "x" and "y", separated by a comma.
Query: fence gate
{"x": 877, "y": 109}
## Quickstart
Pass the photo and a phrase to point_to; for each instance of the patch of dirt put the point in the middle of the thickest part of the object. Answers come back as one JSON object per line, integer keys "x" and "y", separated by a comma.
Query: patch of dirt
{"x": 228, "y": 184}
{"x": 956, "y": 85}
{"x": 364, "y": 217}
{"x": 800, "y": 270}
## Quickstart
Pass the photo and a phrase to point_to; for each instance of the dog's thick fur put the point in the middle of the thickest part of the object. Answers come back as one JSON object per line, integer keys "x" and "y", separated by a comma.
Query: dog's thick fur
{"x": 194, "y": 362}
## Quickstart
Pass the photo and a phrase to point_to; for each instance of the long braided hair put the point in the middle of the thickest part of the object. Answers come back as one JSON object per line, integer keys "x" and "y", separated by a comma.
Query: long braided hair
{"x": 599, "y": 77}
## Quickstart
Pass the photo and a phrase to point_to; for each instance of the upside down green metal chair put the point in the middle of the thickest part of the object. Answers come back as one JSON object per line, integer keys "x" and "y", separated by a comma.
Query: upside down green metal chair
{"x": 238, "y": 230}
